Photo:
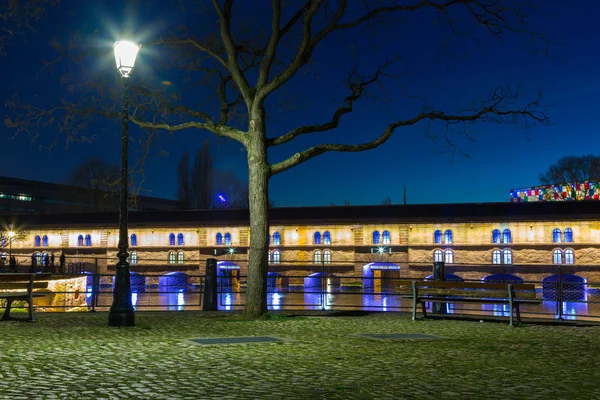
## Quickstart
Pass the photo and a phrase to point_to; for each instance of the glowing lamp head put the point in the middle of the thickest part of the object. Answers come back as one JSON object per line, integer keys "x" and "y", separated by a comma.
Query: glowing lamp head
{"x": 222, "y": 198}
{"x": 381, "y": 250}
{"x": 11, "y": 234}
{"x": 125, "y": 54}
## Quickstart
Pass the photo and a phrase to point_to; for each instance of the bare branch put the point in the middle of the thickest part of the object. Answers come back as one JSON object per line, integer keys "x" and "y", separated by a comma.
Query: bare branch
{"x": 497, "y": 109}
{"x": 195, "y": 44}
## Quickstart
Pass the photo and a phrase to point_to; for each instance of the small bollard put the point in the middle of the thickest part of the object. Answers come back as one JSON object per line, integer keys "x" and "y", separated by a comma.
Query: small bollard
{"x": 439, "y": 274}
{"x": 210, "y": 286}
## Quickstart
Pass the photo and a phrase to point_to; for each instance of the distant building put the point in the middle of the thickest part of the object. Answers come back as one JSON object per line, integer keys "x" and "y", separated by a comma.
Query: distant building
{"x": 558, "y": 192}
{"x": 23, "y": 196}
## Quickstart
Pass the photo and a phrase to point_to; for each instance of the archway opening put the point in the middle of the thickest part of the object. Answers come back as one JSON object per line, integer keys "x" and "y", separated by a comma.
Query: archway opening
{"x": 228, "y": 276}
{"x": 380, "y": 275}
{"x": 573, "y": 287}
{"x": 502, "y": 278}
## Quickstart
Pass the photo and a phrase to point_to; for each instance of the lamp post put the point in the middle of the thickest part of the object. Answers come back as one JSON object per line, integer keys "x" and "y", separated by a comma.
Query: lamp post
{"x": 121, "y": 311}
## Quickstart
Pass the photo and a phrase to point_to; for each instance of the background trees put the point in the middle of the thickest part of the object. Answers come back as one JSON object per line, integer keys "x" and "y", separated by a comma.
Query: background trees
{"x": 203, "y": 186}
{"x": 572, "y": 171}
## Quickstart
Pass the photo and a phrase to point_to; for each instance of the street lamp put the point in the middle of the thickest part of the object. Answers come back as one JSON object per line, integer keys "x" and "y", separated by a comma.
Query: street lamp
{"x": 121, "y": 311}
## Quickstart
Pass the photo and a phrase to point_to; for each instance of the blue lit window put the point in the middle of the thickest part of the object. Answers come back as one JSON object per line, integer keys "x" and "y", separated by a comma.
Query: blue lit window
{"x": 496, "y": 255}
{"x": 556, "y": 236}
{"x": 326, "y": 237}
{"x": 448, "y": 236}
{"x": 219, "y": 239}
{"x": 276, "y": 257}
{"x": 227, "y": 239}
{"x": 438, "y": 255}
{"x": 317, "y": 256}
{"x": 569, "y": 256}
{"x": 88, "y": 240}
{"x": 45, "y": 241}
{"x": 172, "y": 239}
{"x": 317, "y": 237}
{"x": 133, "y": 242}
{"x": 437, "y": 237}
{"x": 376, "y": 237}
{"x": 557, "y": 256}
{"x": 133, "y": 257}
{"x": 568, "y": 236}
{"x": 385, "y": 236}
{"x": 448, "y": 256}
{"x": 506, "y": 237}
{"x": 37, "y": 241}
{"x": 327, "y": 257}
{"x": 506, "y": 256}
{"x": 276, "y": 239}
{"x": 180, "y": 241}
{"x": 496, "y": 236}
{"x": 171, "y": 257}
{"x": 80, "y": 240}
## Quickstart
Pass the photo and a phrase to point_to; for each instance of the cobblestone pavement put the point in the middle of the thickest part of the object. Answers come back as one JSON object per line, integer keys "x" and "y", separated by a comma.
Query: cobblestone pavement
{"x": 76, "y": 356}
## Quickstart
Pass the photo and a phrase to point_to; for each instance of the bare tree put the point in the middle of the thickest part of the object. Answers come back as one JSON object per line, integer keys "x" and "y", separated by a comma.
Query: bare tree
{"x": 100, "y": 179}
{"x": 232, "y": 188}
{"x": 347, "y": 203}
{"x": 247, "y": 67}
{"x": 580, "y": 174}
{"x": 184, "y": 190}
{"x": 202, "y": 188}
{"x": 18, "y": 18}
{"x": 387, "y": 201}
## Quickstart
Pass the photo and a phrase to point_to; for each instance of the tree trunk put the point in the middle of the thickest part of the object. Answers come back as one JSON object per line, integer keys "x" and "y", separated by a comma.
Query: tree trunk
{"x": 259, "y": 174}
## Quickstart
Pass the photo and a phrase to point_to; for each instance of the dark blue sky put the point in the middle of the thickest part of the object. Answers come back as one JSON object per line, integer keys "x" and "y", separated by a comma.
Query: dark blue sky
{"x": 501, "y": 158}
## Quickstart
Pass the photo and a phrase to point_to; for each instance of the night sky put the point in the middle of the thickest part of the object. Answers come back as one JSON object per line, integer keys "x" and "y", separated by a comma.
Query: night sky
{"x": 502, "y": 157}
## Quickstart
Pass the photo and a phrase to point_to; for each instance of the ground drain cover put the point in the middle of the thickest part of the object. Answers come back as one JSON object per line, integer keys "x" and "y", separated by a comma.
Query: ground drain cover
{"x": 399, "y": 336}
{"x": 236, "y": 340}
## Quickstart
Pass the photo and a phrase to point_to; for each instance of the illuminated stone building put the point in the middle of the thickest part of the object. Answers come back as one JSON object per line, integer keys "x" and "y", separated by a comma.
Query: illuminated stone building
{"x": 474, "y": 239}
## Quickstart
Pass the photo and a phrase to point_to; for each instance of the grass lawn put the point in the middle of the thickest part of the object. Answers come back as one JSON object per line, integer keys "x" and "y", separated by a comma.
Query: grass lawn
{"x": 76, "y": 356}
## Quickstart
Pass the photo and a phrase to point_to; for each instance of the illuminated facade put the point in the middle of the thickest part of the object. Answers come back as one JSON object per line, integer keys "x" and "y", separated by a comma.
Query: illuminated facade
{"x": 361, "y": 241}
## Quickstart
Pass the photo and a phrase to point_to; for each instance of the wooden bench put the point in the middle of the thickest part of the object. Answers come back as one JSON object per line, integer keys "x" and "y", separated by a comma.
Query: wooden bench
{"x": 513, "y": 294}
{"x": 21, "y": 287}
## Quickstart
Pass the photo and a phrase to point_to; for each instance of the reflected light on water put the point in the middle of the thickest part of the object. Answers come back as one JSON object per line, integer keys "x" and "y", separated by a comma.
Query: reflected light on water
{"x": 276, "y": 301}
{"x": 180, "y": 300}
{"x": 134, "y": 298}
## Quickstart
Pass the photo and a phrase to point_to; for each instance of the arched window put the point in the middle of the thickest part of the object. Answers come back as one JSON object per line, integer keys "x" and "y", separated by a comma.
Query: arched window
{"x": 133, "y": 256}
{"x": 219, "y": 239}
{"x": 3, "y": 258}
{"x": 569, "y": 254}
{"x": 88, "y": 240}
{"x": 327, "y": 257}
{"x": 437, "y": 237}
{"x": 276, "y": 239}
{"x": 227, "y": 239}
{"x": 180, "y": 241}
{"x": 448, "y": 237}
{"x": 317, "y": 256}
{"x": 556, "y": 235}
{"x": 385, "y": 237}
{"x": 37, "y": 241}
{"x": 180, "y": 257}
{"x": 496, "y": 236}
{"x": 45, "y": 260}
{"x": 45, "y": 241}
{"x": 37, "y": 258}
{"x": 326, "y": 238}
{"x": 80, "y": 240}
{"x": 506, "y": 256}
{"x": 276, "y": 257}
{"x": 506, "y": 237}
{"x": 568, "y": 236}
{"x": 317, "y": 237}
{"x": 133, "y": 241}
{"x": 269, "y": 256}
{"x": 376, "y": 237}
{"x": 171, "y": 257}
{"x": 448, "y": 256}
{"x": 557, "y": 256}
{"x": 438, "y": 256}
{"x": 496, "y": 259}
{"x": 172, "y": 239}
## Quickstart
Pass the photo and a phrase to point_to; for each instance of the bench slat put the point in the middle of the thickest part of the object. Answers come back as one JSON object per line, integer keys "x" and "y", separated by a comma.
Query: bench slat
{"x": 22, "y": 285}
{"x": 474, "y": 285}
{"x": 476, "y": 293}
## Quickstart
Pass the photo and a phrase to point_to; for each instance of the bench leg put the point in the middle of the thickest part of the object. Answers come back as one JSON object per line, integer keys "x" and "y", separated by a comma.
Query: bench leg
{"x": 518, "y": 311}
{"x": 424, "y": 309}
{"x": 6, "y": 315}
{"x": 414, "y": 310}
{"x": 30, "y": 304}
